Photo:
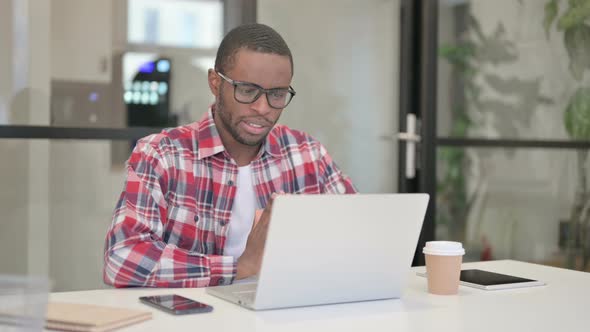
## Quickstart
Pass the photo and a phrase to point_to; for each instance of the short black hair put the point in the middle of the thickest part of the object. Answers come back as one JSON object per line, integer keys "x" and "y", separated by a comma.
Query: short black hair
{"x": 255, "y": 37}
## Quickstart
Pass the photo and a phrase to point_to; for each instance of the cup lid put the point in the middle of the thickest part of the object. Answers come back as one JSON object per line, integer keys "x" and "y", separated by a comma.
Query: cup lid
{"x": 444, "y": 248}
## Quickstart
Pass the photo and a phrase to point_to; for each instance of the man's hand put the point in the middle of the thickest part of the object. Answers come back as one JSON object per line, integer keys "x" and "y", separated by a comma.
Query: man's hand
{"x": 250, "y": 261}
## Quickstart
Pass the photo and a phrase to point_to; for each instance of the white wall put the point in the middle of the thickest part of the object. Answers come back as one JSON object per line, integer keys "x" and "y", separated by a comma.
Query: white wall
{"x": 57, "y": 196}
{"x": 5, "y": 59}
{"x": 24, "y": 99}
{"x": 84, "y": 186}
{"x": 81, "y": 40}
{"x": 13, "y": 207}
{"x": 12, "y": 221}
{"x": 346, "y": 57}
{"x": 84, "y": 190}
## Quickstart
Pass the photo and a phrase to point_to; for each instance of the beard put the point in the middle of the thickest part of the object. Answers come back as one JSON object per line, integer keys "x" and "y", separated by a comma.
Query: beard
{"x": 231, "y": 125}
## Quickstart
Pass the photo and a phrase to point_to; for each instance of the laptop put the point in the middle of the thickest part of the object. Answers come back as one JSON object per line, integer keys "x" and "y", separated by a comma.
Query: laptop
{"x": 327, "y": 249}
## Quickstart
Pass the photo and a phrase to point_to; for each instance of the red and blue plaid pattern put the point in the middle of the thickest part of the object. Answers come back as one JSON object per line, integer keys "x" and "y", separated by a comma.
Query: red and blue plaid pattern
{"x": 170, "y": 224}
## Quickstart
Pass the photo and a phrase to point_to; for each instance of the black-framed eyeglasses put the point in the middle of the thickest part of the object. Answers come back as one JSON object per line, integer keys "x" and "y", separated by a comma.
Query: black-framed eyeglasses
{"x": 247, "y": 93}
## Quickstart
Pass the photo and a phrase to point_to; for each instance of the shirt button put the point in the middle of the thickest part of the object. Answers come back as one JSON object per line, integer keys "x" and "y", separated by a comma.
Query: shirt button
{"x": 221, "y": 281}
{"x": 230, "y": 183}
{"x": 222, "y": 223}
{"x": 196, "y": 218}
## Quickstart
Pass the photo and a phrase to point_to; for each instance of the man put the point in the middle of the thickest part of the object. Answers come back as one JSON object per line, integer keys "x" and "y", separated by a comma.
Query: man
{"x": 186, "y": 215}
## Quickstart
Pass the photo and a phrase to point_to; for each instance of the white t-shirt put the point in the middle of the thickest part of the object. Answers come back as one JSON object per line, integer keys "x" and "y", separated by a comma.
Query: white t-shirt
{"x": 242, "y": 214}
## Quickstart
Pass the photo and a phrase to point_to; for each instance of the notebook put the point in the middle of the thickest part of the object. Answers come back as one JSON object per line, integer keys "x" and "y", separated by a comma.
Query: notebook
{"x": 323, "y": 249}
{"x": 92, "y": 318}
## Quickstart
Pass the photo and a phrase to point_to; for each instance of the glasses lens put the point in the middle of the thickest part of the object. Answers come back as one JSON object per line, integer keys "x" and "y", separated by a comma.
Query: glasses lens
{"x": 246, "y": 93}
{"x": 279, "y": 98}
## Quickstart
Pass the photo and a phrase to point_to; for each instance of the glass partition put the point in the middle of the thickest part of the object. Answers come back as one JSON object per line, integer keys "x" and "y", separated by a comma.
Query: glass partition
{"x": 57, "y": 201}
{"x": 508, "y": 72}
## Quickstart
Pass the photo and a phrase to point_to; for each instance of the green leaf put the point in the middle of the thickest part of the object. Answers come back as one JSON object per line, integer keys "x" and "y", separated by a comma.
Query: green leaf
{"x": 574, "y": 3}
{"x": 457, "y": 54}
{"x": 576, "y": 70}
{"x": 577, "y": 43}
{"x": 551, "y": 9}
{"x": 578, "y": 12}
{"x": 577, "y": 115}
{"x": 461, "y": 126}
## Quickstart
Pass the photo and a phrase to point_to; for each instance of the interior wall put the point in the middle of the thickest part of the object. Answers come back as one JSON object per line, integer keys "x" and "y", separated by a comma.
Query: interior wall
{"x": 5, "y": 59}
{"x": 81, "y": 40}
{"x": 24, "y": 100}
{"x": 84, "y": 185}
{"x": 346, "y": 58}
{"x": 84, "y": 190}
{"x": 13, "y": 222}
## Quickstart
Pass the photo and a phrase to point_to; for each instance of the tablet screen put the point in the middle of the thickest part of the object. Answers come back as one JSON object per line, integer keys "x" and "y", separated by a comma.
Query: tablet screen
{"x": 487, "y": 278}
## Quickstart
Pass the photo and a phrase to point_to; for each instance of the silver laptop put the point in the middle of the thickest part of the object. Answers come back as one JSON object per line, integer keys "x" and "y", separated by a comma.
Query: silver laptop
{"x": 324, "y": 249}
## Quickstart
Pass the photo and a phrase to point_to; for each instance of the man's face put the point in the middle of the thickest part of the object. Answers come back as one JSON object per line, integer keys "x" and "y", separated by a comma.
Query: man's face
{"x": 248, "y": 124}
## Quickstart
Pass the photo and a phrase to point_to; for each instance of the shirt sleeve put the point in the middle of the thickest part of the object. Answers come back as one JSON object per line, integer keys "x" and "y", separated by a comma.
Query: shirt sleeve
{"x": 135, "y": 253}
{"x": 334, "y": 181}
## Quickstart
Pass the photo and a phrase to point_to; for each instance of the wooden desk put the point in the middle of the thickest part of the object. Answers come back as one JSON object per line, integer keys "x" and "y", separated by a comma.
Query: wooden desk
{"x": 562, "y": 305}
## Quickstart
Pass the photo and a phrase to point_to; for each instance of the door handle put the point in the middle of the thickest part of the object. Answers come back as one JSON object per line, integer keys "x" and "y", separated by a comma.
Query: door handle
{"x": 411, "y": 138}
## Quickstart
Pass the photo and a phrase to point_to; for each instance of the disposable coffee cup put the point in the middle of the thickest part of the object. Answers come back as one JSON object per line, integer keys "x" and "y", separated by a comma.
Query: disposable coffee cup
{"x": 443, "y": 266}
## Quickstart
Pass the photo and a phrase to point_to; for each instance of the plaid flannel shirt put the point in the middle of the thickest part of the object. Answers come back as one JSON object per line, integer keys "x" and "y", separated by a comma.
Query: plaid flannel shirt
{"x": 170, "y": 224}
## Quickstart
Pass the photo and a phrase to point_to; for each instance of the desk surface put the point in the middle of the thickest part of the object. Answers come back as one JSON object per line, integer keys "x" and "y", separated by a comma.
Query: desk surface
{"x": 562, "y": 305}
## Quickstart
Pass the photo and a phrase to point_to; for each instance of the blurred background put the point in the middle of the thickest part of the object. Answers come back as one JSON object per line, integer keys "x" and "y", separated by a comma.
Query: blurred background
{"x": 485, "y": 105}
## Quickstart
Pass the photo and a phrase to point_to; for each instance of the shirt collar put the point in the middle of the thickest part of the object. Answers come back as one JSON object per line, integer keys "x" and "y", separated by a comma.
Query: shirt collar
{"x": 209, "y": 141}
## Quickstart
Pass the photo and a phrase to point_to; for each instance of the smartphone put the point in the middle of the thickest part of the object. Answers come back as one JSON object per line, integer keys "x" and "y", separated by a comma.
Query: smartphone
{"x": 176, "y": 304}
{"x": 493, "y": 281}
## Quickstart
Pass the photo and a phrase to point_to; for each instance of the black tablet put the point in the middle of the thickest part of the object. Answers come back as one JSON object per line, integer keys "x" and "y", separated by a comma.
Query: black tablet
{"x": 492, "y": 280}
